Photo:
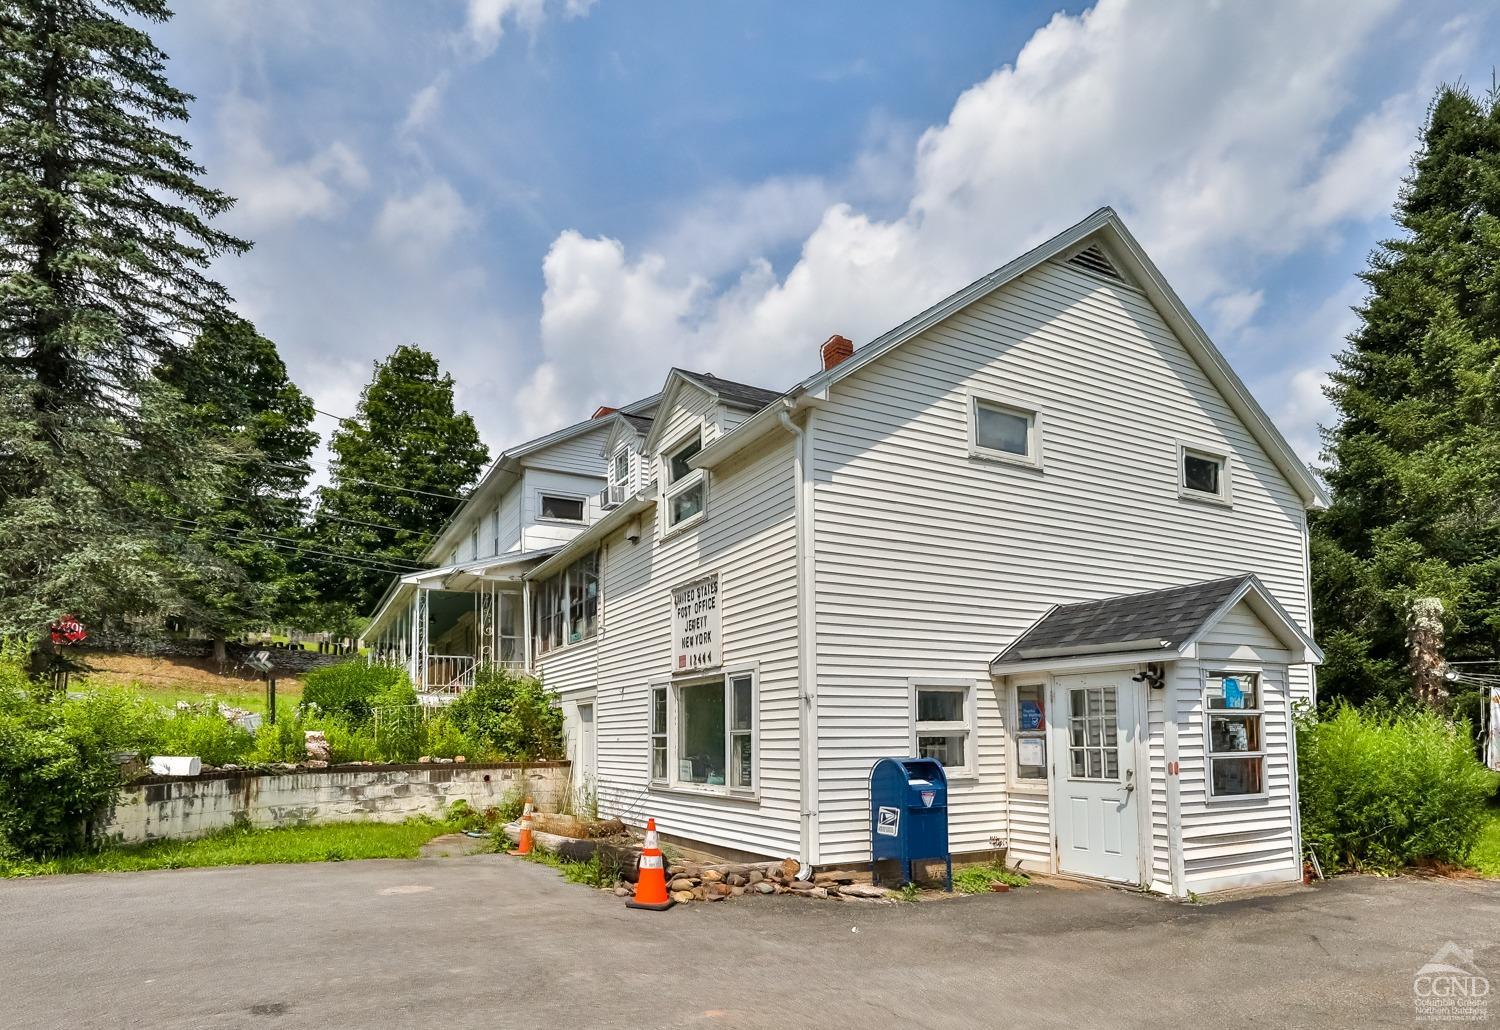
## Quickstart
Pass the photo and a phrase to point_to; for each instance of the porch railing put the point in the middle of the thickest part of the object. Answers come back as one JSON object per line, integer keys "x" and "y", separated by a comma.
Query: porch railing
{"x": 448, "y": 673}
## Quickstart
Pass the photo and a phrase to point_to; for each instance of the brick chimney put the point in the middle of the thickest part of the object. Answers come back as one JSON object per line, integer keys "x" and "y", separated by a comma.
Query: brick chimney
{"x": 603, "y": 411}
{"x": 837, "y": 349}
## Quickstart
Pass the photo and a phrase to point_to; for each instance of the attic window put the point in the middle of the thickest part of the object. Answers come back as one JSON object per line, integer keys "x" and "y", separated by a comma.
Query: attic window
{"x": 1092, "y": 259}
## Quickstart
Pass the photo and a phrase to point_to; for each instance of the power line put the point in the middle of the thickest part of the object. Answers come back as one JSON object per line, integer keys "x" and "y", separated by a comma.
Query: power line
{"x": 396, "y": 565}
{"x": 336, "y": 518}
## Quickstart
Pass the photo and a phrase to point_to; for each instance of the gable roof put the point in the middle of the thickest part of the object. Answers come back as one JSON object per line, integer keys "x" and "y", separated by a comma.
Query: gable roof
{"x": 1151, "y": 625}
{"x": 724, "y": 391}
{"x": 1105, "y": 226}
{"x": 735, "y": 395}
{"x": 507, "y": 463}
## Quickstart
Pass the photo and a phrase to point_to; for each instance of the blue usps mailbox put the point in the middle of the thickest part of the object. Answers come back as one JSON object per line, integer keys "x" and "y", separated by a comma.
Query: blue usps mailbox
{"x": 909, "y": 813}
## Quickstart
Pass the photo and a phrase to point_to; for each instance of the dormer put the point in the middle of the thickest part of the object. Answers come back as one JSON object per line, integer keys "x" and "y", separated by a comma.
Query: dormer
{"x": 696, "y": 409}
{"x": 625, "y": 470}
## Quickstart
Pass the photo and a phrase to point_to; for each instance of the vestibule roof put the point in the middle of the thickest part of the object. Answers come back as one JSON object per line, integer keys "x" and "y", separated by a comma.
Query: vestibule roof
{"x": 1154, "y": 625}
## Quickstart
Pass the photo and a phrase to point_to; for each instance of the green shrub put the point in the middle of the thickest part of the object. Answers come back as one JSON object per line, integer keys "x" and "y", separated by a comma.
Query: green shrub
{"x": 207, "y": 734}
{"x": 976, "y": 879}
{"x": 348, "y": 742}
{"x": 58, "y": 768}
{"x": 509, "y": 716}
{"x": 284, "y": 742}
{"x": 349, "y": 689}
{"x": 1383, "y": 788}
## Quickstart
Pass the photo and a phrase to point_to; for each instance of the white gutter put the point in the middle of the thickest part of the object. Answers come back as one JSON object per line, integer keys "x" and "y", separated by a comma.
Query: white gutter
{"x": 807, "y": 639}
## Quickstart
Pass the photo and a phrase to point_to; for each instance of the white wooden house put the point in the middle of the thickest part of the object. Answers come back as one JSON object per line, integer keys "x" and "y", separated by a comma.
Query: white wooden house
{"x": 1041, "y": 532}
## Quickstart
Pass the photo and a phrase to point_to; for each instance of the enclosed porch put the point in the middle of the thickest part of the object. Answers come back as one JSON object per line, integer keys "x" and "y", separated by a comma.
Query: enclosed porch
{"x": 445, "y": 624}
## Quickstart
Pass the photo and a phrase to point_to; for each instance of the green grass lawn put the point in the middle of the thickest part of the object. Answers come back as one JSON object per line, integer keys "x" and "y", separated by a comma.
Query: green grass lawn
{"x": 249, "y": 696}
{"x": 1486, "y": 856}
{"x": 338, "y": 842}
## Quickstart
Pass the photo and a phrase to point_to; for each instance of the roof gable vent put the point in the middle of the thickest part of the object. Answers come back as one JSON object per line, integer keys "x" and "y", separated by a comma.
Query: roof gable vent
{"x": 1092, "y": 259}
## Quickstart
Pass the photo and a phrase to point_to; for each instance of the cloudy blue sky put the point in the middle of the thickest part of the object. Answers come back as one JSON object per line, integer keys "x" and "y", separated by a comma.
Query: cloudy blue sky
{"x": 563, "y": 198}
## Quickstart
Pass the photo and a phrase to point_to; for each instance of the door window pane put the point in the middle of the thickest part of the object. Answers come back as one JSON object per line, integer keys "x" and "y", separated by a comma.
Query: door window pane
{"x": 701, "y": 749}
{"x": 1093, "y": 733}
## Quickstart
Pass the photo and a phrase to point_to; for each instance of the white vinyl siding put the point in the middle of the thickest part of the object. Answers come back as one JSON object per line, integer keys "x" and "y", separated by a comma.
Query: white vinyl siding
{"x": 750, "y": 543}
{"x": 538, "y": 530}
{"x": 930, "y": 562}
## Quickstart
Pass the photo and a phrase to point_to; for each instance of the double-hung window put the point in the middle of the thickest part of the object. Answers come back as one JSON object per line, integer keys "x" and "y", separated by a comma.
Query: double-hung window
{"x": 474, "y": 541}
{"x": 703, "y": 734}
{"x": 943, "y": 725}
{"x": 686, "y": 487}
{"x": 1236, "y": 734}
{"x": 619, "y": 476}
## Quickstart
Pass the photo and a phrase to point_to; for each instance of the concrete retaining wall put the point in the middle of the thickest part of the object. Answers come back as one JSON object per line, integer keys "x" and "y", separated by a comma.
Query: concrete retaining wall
{"x": 184, "y": 807}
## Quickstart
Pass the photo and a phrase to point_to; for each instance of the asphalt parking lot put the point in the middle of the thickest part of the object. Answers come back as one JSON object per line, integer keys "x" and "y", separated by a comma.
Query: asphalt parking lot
{"x": 488, "y": 941}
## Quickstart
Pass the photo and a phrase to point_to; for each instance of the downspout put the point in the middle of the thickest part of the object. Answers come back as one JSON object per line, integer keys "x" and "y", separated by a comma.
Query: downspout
{"x": 526, "y": 621}
{"x": 806, "y": 633}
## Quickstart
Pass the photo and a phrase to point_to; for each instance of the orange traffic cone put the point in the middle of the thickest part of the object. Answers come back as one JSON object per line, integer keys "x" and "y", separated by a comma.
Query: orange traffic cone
{"x": 651, "y": 879}
{"x": 523, "y": 846}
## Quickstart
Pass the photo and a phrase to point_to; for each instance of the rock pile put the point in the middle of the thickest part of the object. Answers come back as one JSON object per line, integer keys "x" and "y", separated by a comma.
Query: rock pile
{"x": 691, "y": 882}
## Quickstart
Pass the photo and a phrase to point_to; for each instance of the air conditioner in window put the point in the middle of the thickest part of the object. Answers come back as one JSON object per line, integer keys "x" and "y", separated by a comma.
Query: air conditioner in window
{"x": 612, "y": 496}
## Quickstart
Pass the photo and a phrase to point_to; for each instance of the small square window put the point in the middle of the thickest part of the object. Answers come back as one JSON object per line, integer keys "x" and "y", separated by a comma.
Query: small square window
{"x": 1203, "y": 474}
{"x": 566, "y": 509}
{"x": 1002, "y": 431}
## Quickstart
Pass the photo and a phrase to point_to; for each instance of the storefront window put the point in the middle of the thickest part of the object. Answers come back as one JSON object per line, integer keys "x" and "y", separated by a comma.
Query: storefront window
{"x": 711, "y": 742}
{"x": 1236, "y": 747}
{"x": 701, "y": 755}
{"x": 1031, "y": 732}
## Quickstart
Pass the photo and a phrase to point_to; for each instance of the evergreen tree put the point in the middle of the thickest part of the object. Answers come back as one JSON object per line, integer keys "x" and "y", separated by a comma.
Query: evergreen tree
{"x": 237, "y": 391}
{"x": 400, "y": 465}
{"x": 1415, "y": 455}
{"x": 104, "y": 242}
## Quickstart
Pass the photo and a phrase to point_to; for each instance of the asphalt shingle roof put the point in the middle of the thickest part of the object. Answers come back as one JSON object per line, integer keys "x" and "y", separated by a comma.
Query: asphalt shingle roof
{"x": 737, "y": 394}
{"x": 641, "y": 423}
{"x": 1163, "y": 618}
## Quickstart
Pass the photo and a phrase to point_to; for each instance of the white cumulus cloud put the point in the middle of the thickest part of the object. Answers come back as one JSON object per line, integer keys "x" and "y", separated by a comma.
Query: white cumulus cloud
{"x": 1220, "y": 132}
{"x": 273, "y": 189}
{"x": 417, "y": 225}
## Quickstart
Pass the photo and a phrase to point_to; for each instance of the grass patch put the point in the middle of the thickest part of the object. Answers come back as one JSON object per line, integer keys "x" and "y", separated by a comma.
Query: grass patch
{"x": 1486, "y": 854}
{"x": 335, "y": 842}
{"x": 235, "y": 693}
{"x": 595, "y": 872}
{"x": 976, "y": 879}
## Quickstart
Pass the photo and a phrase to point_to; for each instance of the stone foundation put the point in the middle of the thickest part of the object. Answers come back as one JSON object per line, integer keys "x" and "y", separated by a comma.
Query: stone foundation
{"x": 159, "y": 807}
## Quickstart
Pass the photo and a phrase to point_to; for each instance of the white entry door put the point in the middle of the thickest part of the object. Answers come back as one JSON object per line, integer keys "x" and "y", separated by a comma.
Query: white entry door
{"x": 1094, "y": 792}
{"x": 583, "y": 759}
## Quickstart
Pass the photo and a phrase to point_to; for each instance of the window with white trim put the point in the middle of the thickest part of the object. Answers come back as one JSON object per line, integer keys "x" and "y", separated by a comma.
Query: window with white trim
{"x": 619, "y": 476}
{"x": 1236, "y": 734}
{"x": 495, "y": 530}
{"x": 703, "y": 733}
{"x": 565, "y": 607}
{"x": 474, "y": 541}
{"x": 686, "y": 487}
{"x": 1202, "y": 474}
{"x": 1031, "y": 731}
{"x": 942, "y": 725}
{"x": 560, "y": 507}
{"x": 1003, "y": 431}
{"x": 658, "y": 718}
